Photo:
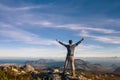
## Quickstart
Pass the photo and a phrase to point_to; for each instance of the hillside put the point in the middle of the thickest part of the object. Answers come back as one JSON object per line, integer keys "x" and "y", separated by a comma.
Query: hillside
{"x": 117, "y": 70}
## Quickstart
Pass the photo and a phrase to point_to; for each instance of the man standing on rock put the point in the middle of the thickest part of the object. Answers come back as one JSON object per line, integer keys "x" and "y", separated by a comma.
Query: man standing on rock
{"x": 70, "y": 54}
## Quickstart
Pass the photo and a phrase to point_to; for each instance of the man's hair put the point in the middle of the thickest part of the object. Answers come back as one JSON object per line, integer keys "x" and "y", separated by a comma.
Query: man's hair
{"x": 70, "y": 41}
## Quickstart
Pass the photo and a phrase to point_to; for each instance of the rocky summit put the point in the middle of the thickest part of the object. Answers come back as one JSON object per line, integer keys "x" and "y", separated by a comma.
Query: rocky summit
{"x": 84, "y": 71}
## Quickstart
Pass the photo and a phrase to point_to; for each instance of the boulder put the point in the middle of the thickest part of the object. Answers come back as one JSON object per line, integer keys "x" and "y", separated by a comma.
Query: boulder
{"x": 28, "y": 68}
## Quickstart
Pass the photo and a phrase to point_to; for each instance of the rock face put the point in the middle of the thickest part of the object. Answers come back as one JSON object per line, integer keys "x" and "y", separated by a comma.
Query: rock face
{"x": 8, "y": 66}
{"x": 57, "y": 74}
{"x": 16, "y": 69}
{"x": 55, "y": 70}
{"x": 60, "y": 76}
{"x": 28, "y": 68}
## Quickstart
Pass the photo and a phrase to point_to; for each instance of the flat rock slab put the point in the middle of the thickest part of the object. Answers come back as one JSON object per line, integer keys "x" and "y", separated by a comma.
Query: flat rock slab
{"x": 72, "y": 78}
{"x": 68, "y": 77}
{"x": 61, "y": 76}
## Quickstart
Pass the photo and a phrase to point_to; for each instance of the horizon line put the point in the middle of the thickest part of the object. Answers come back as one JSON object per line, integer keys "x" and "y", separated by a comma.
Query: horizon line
{"x": 64, "y": 57}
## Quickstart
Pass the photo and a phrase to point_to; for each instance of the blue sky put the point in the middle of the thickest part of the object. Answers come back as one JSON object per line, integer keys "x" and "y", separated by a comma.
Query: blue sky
{"x": 29, "y": 28}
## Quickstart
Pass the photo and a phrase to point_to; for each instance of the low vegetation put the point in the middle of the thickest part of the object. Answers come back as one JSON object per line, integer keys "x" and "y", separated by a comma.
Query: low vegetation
{"x": 9, "y": 75}
{"x": 98, "y": 75}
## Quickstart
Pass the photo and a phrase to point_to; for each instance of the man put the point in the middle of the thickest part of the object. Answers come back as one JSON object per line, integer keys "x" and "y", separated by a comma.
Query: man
{"x": 70, "y": 54}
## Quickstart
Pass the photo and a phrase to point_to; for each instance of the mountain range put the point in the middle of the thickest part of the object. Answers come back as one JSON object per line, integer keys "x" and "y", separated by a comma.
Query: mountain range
{"x": 79, "y": 64}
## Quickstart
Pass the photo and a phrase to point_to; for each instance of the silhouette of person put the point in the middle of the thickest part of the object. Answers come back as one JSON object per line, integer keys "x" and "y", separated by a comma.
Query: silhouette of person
{"x": 70, "y": 54}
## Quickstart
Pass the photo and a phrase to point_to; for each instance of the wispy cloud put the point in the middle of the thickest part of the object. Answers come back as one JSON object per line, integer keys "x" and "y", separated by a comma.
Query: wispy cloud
{"x": 7, "y": 8}
{"x": 46, "y": 23}
{"x": 105, "y": 39}
{"x": 113, "y": 22}
{"x": 82, "y": 27}
{"x": 33, "y": 20}
{"x": 41, "y": 23}
{"x": 23, "y": 36}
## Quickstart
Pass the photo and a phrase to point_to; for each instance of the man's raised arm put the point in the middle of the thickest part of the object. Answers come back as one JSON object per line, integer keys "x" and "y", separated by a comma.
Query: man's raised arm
{"x": 76, "y": 44}
{"x": 60, "y": 42}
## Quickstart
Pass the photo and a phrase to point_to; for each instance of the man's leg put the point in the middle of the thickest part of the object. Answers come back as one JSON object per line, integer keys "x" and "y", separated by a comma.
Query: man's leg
{"x": 66, "y": 65}
{"x": 72, "y": 65}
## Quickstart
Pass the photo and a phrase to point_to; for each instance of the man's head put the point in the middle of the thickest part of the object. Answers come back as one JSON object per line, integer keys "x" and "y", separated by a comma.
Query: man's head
{"x": 70, "y": 41}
